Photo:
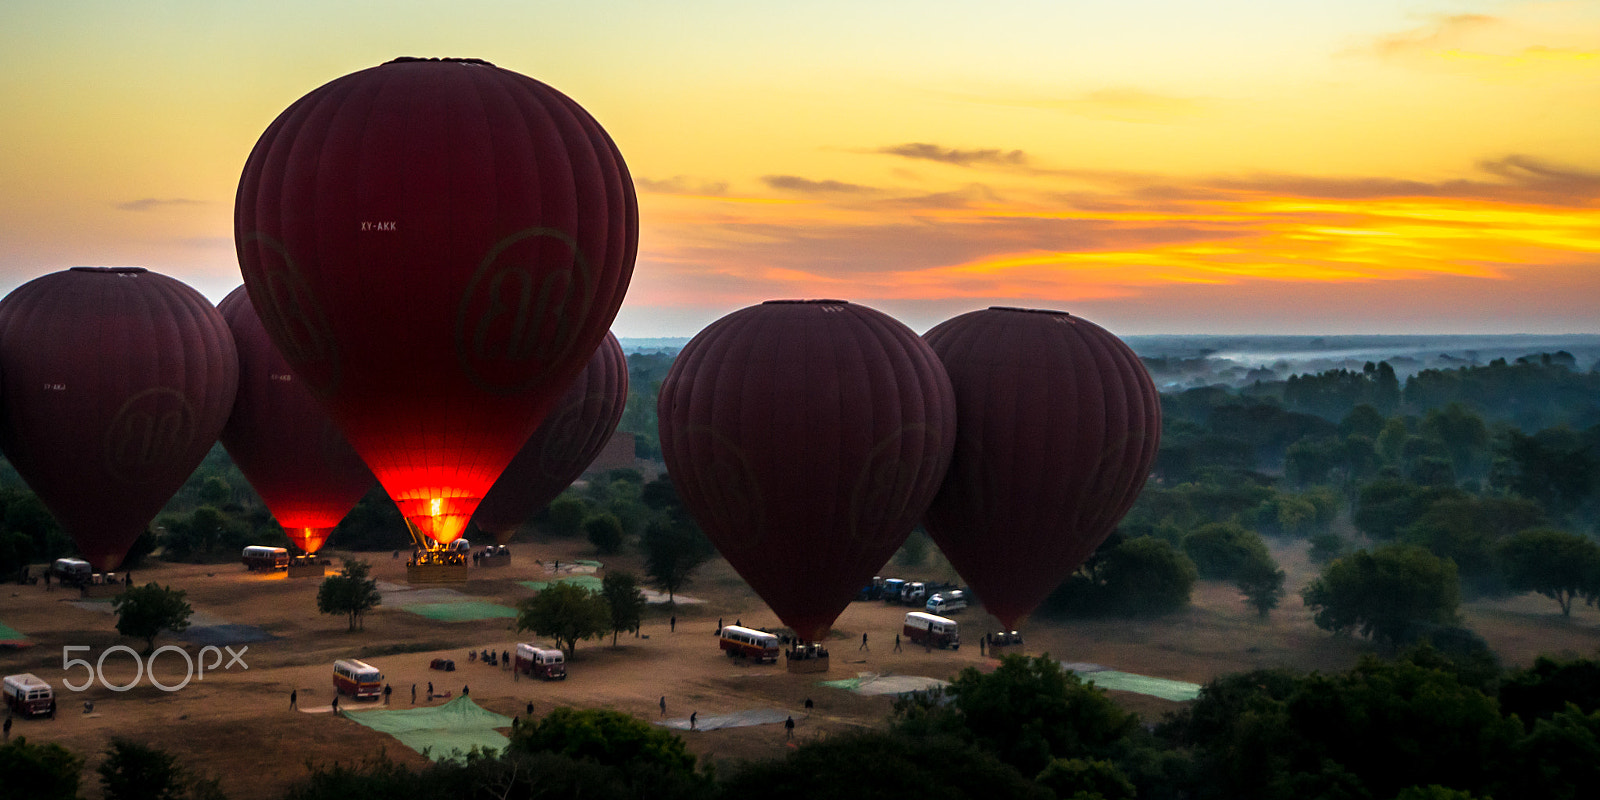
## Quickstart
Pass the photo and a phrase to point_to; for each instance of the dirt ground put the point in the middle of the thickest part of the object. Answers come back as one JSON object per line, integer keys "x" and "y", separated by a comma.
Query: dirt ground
{"x": 235, "y": 724}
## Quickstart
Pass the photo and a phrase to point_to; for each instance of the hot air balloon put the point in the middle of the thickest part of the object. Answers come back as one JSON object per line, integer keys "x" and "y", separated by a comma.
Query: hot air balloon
{"x": 114, "y": 383}
{"x": 437, "y": 247}
{"x": 806, "y": 438}
{"x": 283, "y": 441}
{"x": 1058, "y": 426}
{"x": 564, "y": 445}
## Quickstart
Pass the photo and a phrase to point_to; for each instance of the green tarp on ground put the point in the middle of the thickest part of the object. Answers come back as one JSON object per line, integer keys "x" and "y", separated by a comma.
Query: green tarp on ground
{"x": 10, "y": 634}
{"x": 439, "y": 732}
{"x": 585, "y": 581}
{"x": 1176, "y": 691}
{"x": 462, "y": 612}
{"x": 871, "y": 683}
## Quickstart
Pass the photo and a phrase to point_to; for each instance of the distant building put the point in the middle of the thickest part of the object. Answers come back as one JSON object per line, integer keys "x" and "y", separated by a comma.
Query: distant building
{"x": 617, "y": 454}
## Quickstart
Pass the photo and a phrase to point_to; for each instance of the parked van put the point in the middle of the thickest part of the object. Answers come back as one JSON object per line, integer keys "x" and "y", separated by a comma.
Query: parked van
{"x": 357, "y": 679}
{"x": 534, "y": 660}
{"x": 924, "y": 628}
{"x": 25, "y": 694}
{"x": 748, "y": 643}
{"x": 891, "y": 590}
{"x": 72, "y": 571}
{"x": 265, "y": 558}
{"x": 946, "y": 602}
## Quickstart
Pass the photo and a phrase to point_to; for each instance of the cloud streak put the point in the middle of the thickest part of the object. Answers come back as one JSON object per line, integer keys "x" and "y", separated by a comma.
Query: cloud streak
{"x": 987, "y": 157}
{"x": 795, "y": 183}
{"x": 156, "y": 203}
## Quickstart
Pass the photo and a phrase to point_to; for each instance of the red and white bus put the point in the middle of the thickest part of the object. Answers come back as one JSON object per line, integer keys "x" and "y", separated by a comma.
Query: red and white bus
{"x": 29, "y": 696}
{"x": 924, "y": 628}
{"x": 357, "y": 679}
{"x": 544, "y": 663}
{"x": 744, "y": 642}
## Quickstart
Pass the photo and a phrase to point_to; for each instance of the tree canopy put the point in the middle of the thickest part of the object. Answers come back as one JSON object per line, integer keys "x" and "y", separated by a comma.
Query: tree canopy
{"x": 350, "y": 592}
{"x": 1387, "y": 595}
{"x": 1557, "y": 564}
{"x": 566, "y": 613}
{"x": 145, "y": 611}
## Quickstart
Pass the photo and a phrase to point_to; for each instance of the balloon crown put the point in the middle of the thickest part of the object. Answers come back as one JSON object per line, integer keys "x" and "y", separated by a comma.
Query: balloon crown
{"x": 114, "y": 270}
{"x": 412, "y": 59}
{"x": 807, "y": 302}
{"x": 1051, "y": 312}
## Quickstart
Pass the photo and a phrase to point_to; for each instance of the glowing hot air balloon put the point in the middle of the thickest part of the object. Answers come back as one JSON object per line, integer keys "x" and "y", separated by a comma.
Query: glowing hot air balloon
{"x": 565, "y": 444}
{"x": 437, "y": 247}
{"x": 807, "y": 438}
{"x": 114, "y": 383}
{"x": 283, "y": 441}
{"x": 1058, "y": 426}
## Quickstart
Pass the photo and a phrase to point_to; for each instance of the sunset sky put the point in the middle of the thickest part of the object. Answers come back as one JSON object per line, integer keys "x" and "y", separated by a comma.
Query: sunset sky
{"x": 1157, "y": 166}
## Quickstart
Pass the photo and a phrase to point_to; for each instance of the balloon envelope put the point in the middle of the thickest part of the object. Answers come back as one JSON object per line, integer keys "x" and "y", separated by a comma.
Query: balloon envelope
{"x": 564, "y": 445}
{"x": 806, "y": 438}
{"x": 115, "y": 383}
{"x": 436, "y": 247}
{"x": 1058, "y": 424}
{"x": 283, "y": 441}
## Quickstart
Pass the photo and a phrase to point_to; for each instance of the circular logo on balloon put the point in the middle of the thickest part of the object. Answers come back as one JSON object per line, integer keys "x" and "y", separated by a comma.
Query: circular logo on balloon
{"x": 292, "y": 316}
{"x": 734, "y": 515}
{"x": 149, "y": 432}
{"x": 524, "y": 310}
{"x": 880, "y": 501}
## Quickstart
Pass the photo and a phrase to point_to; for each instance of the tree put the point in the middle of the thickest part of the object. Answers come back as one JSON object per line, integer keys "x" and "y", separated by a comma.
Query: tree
{"x": 350, "y": 592}
{"x": 1261, "y": 582}
{"x": 609, "y": 738}
{"x": 621, "y": 591}
{"x": 1083, "y": 778}
{"x": 1219, "y": 549}
{"x": 605, "y": 532}
{"x": 146, "y": 611}
{"x": 882, "y": 764}
{"x": 39, "y": 771}
{"x": 566, "y": 613}
{"x": 133, "y": 771}
{"x": 16, "y": 552}
{"x": 565, "y": 515}
{"x": 1031, "y": 710}
{"x": 1556, "y": 564}
{"x": 1387, "y": 595}
{"x": 673, "y": 548}
{"x": 1326, "y": 547}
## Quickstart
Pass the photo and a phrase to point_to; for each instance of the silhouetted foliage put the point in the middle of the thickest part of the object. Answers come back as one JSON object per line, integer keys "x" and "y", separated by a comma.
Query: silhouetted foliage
{"x": 352, "y": 593}
{"x": 145, "y": 611}
{"x": 1388, "y": 595}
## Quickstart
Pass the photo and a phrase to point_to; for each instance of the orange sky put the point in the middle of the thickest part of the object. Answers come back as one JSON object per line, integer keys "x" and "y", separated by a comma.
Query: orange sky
{"x": 1237, "y": 166}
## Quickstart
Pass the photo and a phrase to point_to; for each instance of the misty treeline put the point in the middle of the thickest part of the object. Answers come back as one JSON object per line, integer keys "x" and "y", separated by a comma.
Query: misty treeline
{"x": 1421, "y": 726}
{"x": 1456, "y": 462}
{"x": 1477, "y": 481}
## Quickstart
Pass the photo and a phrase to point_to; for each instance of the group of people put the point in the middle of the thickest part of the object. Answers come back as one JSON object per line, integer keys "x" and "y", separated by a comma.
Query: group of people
{"x": 501, "y": 659}
{"x": 439, "y": 557}
{"x": 492, "y": 551}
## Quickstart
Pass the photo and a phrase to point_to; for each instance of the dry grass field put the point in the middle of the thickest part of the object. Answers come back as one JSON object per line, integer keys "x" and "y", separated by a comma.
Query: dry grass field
{"x": 236, "y": 724}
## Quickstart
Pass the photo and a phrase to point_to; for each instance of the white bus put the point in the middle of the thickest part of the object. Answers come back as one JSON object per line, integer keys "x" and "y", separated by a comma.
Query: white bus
{"x": 29, "y": 696}
{"x": 357, "y": 679}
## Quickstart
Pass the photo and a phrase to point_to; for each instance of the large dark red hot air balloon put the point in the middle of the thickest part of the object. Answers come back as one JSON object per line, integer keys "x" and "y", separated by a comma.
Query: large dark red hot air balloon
{"x": 437, "y": 247}
{"x": 564, "y": 445}
{"x": 807, "y": 438}
{"x": 1058, "y": 427}
{"x": 283, "y": 441}
{"x": 114, "y": 384}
